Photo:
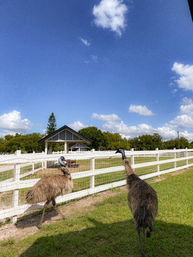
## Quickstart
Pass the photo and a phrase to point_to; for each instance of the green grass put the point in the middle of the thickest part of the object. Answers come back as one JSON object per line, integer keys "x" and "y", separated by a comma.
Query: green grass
{"x": 9, "y": 173}
{"x": 109, "y": 230}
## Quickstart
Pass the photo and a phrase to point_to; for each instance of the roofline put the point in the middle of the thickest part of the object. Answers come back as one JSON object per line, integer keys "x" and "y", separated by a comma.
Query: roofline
{"x": 58, "y": 130}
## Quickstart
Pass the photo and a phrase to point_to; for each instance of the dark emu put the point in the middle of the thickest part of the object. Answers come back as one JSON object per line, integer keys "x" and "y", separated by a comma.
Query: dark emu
{"x": 48, "y": 188}
{"x": 142, "y": 200}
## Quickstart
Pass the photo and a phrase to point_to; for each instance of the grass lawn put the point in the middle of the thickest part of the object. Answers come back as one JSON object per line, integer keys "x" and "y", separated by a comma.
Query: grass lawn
{"x": 108, "y": 229}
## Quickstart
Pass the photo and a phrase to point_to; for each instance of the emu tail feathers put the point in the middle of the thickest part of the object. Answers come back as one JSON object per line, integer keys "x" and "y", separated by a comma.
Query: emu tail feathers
{"x": 144, "y": 220}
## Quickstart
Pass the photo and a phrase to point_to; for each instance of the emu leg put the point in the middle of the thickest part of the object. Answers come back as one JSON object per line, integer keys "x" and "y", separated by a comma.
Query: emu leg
{"x": 42, "y": 217}
{"x": 140, "y": 243}
{"x": 57, "y": 209}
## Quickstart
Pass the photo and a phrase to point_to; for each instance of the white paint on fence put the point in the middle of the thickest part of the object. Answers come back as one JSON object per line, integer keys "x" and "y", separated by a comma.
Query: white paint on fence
{"x": 18, "y": 184}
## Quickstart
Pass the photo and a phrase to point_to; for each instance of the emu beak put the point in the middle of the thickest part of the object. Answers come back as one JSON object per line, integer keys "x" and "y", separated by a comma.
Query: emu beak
{"x": 122, "y": 152}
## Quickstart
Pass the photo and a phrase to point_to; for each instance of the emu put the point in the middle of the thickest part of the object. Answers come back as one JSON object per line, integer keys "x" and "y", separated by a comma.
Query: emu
{"x": 142, "y": 200}
{"x": 48, "y": 188}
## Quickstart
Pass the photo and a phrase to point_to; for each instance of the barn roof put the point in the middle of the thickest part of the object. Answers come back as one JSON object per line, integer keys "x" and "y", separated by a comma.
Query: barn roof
{"x": 63, "y": 134}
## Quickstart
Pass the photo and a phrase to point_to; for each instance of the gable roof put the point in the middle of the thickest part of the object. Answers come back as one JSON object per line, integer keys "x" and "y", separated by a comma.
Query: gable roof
{"x": 64, "y": 128}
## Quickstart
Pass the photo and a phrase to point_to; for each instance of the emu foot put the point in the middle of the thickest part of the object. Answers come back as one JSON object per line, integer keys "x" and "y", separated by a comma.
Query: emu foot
{"x": 63, "y": 217}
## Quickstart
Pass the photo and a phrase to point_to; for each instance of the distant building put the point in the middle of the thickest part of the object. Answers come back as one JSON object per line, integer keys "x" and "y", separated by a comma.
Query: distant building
{"x": 79, "y": 147}
{"x": 64, "y": 135}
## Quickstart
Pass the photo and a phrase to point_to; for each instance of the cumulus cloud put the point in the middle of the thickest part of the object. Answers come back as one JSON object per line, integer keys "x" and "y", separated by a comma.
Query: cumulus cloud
{"x": 114, "y": 124}
{"x": 105, "y": 117}
{"x": 185, "y": 73}
{"x": 85, "y": 41}
{"x": 141, "y": 110}
{"x": 110, "y": 14}
{"x": 77, "y": 125}
{"x": 128, "y": 131}
{"x": 185, "y": 117}
{"x": 11, "y": 122}
{"x": 166, "y": 132}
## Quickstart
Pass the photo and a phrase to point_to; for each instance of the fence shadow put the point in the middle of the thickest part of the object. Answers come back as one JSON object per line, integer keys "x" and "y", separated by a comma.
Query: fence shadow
{"x": 115, "y": 240}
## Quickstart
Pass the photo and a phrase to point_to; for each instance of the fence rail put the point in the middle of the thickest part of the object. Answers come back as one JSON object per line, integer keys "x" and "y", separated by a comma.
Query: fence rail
{"x": 184, "y": 156}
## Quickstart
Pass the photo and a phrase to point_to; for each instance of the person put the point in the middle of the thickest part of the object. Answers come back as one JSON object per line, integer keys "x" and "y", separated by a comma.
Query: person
{"x": 62, "y": 161}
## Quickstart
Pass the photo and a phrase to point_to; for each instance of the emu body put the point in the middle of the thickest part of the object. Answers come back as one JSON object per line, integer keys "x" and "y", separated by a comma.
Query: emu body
{"x": 142, "y": 201}
{"x": 48, "y": 188}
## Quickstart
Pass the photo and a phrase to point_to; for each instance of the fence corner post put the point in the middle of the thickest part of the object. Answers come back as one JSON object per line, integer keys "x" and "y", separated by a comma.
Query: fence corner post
{"x": 92, "y": 167}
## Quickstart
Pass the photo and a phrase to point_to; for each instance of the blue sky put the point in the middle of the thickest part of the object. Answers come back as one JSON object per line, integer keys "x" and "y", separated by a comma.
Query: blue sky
{"x": 124, "y": 66}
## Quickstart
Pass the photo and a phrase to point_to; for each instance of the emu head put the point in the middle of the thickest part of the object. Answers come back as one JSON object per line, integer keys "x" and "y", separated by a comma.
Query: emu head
{"x": 66, "y": 172}
{"x": 122, "y": 152}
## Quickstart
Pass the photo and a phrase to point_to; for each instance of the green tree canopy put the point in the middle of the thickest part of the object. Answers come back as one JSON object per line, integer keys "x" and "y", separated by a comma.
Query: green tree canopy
{"x": 26, "y": 143}
{"x": 114, "y": 141}
{"x": 146, "y": 142}
{"x": 51, "y": 127}
{"x": 180, "y": 143}
{"x": 95, "y": 136}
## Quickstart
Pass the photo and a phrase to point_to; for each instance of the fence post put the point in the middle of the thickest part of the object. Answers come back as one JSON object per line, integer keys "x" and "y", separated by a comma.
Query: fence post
{"x": 186, "y": 153}
{"x": 175, "y": 157}
{"x": 92, "y": 167}
{"x": 33, "y": 167}
{"x": 157, "y": 159}
{"x": 16, "y": 177}
{"x": 132, "y": 158}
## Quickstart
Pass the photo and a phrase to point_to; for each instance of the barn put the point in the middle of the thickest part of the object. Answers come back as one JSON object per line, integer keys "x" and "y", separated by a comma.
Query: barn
{"x": 65, "y": 135}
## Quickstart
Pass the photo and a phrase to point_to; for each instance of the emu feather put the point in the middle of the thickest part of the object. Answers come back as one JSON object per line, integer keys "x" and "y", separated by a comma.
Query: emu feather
{"x": 142, "y": 201}
{"x": 48, "y": 188}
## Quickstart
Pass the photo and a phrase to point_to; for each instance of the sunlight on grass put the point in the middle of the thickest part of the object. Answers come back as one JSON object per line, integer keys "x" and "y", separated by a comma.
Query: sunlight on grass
{"x": 109, "y": 230}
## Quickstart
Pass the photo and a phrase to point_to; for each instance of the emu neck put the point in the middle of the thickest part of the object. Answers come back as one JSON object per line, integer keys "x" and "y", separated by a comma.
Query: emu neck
{"x": 128, "y": 168}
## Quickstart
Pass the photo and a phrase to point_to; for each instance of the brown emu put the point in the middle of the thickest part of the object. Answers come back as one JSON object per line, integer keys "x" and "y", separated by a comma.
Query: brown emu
{"x": 142, "y": 200}
{"x": 48, "y": 188}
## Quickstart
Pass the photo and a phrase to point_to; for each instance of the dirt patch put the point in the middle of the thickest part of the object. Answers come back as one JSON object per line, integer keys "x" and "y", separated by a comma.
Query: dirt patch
{"x": 179, "y": 172}
{"x": 27, "y": 225}
{"x": 157, "y": 179}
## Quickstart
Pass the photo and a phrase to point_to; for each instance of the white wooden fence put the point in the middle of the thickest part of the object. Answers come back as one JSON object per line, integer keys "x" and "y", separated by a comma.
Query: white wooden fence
{"x": 18, "y": 159}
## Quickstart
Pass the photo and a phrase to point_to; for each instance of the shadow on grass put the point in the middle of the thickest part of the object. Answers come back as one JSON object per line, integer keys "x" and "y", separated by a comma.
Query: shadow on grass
{"x": 114, "y": 240}
{"x": 34, "y": 218}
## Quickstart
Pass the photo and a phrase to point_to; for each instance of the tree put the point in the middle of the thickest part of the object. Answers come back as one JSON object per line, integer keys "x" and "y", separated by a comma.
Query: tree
{"x": 114, "y": 141}
{"x": 95, "y": 136}
{"x": 51, "y": 127}
{"x": 26, "y": 143}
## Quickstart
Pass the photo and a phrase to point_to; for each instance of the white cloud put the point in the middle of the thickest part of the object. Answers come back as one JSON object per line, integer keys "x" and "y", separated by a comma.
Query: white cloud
{"x": 185, "y": 117}
{"x": 85, "y": 41}
{"x": 12, "y": 122}
{"x": 185, "y": 73}
{"x": 110, "y": 14}
{"x": 77, "y": 125}
{"x": 105, "y": 117}
{"x": 94, "y": 58}
{"x": 141, "y": 110}
{"x": 166, "y": 132}
{"x": 128, "y": 131}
